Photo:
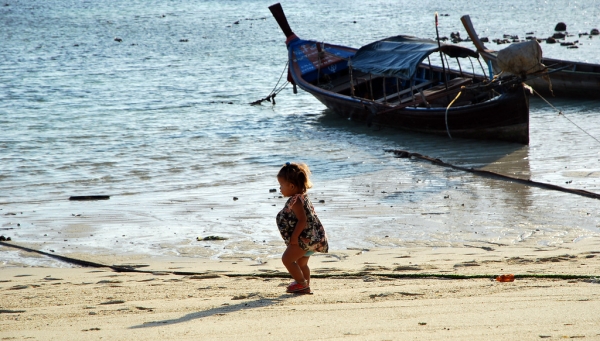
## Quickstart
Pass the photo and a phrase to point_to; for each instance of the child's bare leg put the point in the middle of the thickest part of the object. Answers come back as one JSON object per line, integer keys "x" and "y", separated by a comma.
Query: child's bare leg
{"x": 303, "y": 264}
{"x": 290, "y": 259}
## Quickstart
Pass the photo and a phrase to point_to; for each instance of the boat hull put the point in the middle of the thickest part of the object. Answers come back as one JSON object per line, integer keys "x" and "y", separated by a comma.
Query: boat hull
{"x": 568, "y": 79}
{"x": 569, "y": 83}
{"x": 503, "y": 119}
{"x": 387, "y": 83}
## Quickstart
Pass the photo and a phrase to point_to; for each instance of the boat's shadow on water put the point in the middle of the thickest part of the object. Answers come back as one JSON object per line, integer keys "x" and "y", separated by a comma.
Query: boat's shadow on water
{"x": 509, "y": 159}
{"x": 463, "y": 152}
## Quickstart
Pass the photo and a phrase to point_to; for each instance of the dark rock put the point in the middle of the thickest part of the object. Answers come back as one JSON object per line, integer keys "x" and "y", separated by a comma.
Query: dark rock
{"x": 8, "y": 311}
{"x": 560, "y": 27}
{"x": 209, "y": 238}
{"x": 89, "y": 197}
{"x": 119, "y": 40}
{"x": 235, "y": 198}
{"x": 272, "y": 190}
{"x": 558, "y": 35}
{"x": 113, "y": 302}
{"x": 551, "y": 41}
{"x": 485, "y": 40}
{"x": 455, "y": 36}
{"x": 594, "y": 32}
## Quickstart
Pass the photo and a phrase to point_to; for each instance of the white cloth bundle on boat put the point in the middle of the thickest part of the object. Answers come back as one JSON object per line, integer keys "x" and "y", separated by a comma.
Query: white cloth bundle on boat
{"x": 521, "y": 58}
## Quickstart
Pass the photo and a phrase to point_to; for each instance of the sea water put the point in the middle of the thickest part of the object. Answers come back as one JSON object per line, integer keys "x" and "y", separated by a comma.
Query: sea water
{"x": 148, "y": 102}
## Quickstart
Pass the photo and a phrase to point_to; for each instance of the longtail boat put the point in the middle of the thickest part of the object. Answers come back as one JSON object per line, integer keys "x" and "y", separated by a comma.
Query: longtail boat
{"x": 389, "y": 84}
{"x": 562, "y": 78}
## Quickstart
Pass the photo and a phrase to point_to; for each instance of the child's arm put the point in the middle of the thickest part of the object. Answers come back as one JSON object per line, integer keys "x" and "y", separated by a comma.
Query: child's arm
{"x": 298, "y": 210}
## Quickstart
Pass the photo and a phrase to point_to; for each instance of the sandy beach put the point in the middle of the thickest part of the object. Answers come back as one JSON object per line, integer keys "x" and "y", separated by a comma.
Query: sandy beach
{"x": 147, "y": 105}
{"x": 419, "y": 293}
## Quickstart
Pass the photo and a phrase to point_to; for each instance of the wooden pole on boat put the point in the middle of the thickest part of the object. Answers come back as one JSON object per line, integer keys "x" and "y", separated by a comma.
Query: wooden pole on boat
{"x": 279, "y": 16}
{"x": 487, "y": 55}
{"x": 437, "y": 33}
{"x": 466, "y": 20}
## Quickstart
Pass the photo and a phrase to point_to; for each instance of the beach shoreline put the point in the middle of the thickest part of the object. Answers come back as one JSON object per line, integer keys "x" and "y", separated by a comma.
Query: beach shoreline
{"x": 442, "y": 293}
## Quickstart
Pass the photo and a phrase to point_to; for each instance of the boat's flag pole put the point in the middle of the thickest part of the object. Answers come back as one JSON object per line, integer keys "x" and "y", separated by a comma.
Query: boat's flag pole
{"x": 437, "y": 33}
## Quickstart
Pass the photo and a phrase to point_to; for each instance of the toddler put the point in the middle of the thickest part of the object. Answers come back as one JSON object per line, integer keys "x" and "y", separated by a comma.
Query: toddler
{"x": 299, "y": 225}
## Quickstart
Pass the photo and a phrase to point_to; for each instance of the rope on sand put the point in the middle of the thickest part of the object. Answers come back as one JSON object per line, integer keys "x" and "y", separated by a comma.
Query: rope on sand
{"x": 527, "y": 182}
{"x": 69, "y": 259}
{"x": 278, "y": 274}
{"x": 356, "y": 275}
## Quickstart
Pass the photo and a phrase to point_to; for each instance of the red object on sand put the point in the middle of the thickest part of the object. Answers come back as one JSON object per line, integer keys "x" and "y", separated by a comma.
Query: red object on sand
{"x": 506, "y": 278}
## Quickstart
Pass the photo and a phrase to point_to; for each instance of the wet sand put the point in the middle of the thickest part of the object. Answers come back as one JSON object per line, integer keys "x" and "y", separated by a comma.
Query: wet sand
{"x": 442, "y": 293}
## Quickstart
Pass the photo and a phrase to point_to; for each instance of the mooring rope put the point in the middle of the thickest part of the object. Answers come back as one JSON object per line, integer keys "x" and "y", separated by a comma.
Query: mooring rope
{"x": 448, "y": 108}
{"x": 275, "y": 91}
{"x": 406, "y": 154}
{"x": 279, "y": 274}
{"x": 565, "y": 116}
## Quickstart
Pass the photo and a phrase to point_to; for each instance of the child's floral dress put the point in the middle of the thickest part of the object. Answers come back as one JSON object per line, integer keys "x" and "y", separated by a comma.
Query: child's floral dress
{"x": 313, "y": 237}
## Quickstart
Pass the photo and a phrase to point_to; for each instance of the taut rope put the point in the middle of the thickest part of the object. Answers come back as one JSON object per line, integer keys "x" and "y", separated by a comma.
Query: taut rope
{"x": 565, "y": 116}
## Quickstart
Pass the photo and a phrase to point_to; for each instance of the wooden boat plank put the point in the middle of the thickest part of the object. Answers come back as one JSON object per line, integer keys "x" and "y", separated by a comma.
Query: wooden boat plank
{"x": 398, "y": 95}
{"x": 441, "y": 90}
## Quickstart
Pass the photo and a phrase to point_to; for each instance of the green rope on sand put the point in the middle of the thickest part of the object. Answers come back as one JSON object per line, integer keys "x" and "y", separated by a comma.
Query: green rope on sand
{"x": 355, "y": 275}
{"x": 279, "y": 274}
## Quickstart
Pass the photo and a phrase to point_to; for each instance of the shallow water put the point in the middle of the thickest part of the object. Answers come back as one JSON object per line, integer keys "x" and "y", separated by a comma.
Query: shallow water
{"x": 160, "y": 122}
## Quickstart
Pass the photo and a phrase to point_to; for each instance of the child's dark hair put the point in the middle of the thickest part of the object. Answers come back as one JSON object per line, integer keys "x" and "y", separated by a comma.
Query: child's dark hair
{"x": 297, "y": 174}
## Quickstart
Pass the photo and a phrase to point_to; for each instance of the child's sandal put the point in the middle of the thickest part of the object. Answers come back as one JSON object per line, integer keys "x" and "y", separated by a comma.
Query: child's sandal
{"x": 295, "y": 287}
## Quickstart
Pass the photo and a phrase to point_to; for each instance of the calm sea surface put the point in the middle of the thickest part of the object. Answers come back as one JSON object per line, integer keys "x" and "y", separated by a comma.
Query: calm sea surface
{"x": 147, "y": 101}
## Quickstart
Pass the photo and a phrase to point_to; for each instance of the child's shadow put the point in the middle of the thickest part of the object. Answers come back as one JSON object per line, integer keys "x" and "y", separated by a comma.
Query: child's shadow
{"x": 260, "y": 302}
